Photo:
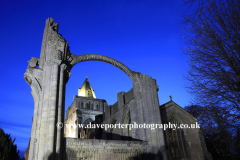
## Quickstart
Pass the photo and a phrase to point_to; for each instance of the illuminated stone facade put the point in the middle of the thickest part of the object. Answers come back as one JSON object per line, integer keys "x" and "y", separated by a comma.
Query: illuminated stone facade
{"x": 83, "y": 111}
{"x": 48, "y": 76}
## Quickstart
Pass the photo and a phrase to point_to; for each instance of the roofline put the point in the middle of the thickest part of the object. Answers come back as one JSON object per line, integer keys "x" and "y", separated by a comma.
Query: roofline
{"x": 179, "y": 107}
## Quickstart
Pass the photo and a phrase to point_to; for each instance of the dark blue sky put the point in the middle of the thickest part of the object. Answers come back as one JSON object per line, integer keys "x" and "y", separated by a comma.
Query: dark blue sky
{"x": 143, "y": 35}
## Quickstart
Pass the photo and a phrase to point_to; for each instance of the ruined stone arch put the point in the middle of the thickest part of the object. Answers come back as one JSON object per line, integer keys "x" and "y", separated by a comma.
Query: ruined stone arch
{"x": 134, "y": 76}
{"x": 98, "y": 57}
{"x": 55, "y": 63}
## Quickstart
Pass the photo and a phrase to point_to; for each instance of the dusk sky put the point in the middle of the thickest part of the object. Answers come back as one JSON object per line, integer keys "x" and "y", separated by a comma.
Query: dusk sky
{"x": 144, "y": 35}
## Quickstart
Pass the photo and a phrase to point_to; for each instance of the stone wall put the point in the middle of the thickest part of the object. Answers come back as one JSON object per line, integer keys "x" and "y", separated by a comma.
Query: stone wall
{"x": 117, "y": 113}
{"x": 94, "y": 149}
{"x": 192, "y": 136}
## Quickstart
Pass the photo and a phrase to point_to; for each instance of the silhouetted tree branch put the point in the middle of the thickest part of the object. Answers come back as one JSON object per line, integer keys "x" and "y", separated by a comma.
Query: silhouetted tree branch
{"x": 212, "y": 38}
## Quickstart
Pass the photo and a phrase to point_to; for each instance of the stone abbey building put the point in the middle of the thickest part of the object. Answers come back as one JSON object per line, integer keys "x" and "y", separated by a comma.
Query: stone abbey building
{"x": 48, "y": 76}
{"x": 83, "y": 110}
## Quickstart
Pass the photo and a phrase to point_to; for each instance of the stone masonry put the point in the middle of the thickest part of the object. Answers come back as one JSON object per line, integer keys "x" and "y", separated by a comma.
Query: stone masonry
{"x": 47, "y": 77}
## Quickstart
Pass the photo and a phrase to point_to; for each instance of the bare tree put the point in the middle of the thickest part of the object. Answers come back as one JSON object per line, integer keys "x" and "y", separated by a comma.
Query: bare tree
{"x": 212, "y": 38}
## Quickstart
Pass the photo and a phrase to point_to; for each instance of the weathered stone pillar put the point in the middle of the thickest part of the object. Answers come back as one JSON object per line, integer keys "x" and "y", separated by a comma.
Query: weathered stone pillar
{"x": 35, "y": 131}
{"x": 145, "y": 92}
{"x": 52, "y": 111}
{"x": 44, "y": 117}
{"x": 137, "y": 86}
{"x": 61, "y": 109}
{"x": 48, "y": 89}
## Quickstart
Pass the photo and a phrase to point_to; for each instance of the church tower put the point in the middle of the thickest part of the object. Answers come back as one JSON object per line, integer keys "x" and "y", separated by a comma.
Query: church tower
{"x": 83, "y": 111}
{"x": 86, "y": 90}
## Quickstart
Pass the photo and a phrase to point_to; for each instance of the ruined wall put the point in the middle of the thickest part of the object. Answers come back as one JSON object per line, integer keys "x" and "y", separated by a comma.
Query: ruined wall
{"x": 94, "y": 149}
{"x": 117, "y": 113}
{"x": 48, "y": 82}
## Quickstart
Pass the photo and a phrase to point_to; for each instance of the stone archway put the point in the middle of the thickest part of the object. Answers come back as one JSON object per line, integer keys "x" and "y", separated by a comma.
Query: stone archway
{"x": 49, "y": 81}
{"x": 102, "y": 58}
{"x": 145, "y": 94}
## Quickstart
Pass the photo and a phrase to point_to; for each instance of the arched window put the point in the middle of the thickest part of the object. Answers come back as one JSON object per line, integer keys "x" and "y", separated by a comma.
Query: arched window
{"x": 92, "y": 106}
{"x": 82, "y": 105}
{"x": 176, "y": 140}
{"x": 127, "y": 120}
{"x": 88, "y": 105}
{"x": 97, "y": 107}
{"x": 87, "y": 121}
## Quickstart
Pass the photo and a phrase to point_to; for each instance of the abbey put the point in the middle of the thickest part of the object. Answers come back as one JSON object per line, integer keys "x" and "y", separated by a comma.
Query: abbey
{"x": 48, "y": 76}
{"x": 83, "y": 110}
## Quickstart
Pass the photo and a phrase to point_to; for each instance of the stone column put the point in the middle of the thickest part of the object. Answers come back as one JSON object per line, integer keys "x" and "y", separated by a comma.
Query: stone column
{"x": 44, "y": 115}
{"x": 151, "y": 113}
{"x": 138, "y": 95}
{"x": 60, "y": 112}
{"x": 33, "y": 132}
{"x": 158, "y": 119}
{"x": 46, "y": 140}
{"x": 52, "y": 112}
{"x": 38, "y": 125}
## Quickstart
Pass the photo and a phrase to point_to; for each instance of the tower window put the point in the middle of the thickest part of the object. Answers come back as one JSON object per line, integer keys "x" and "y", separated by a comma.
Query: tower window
{"x": 82, "y": 105}
{"x": 88, "y": 105}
